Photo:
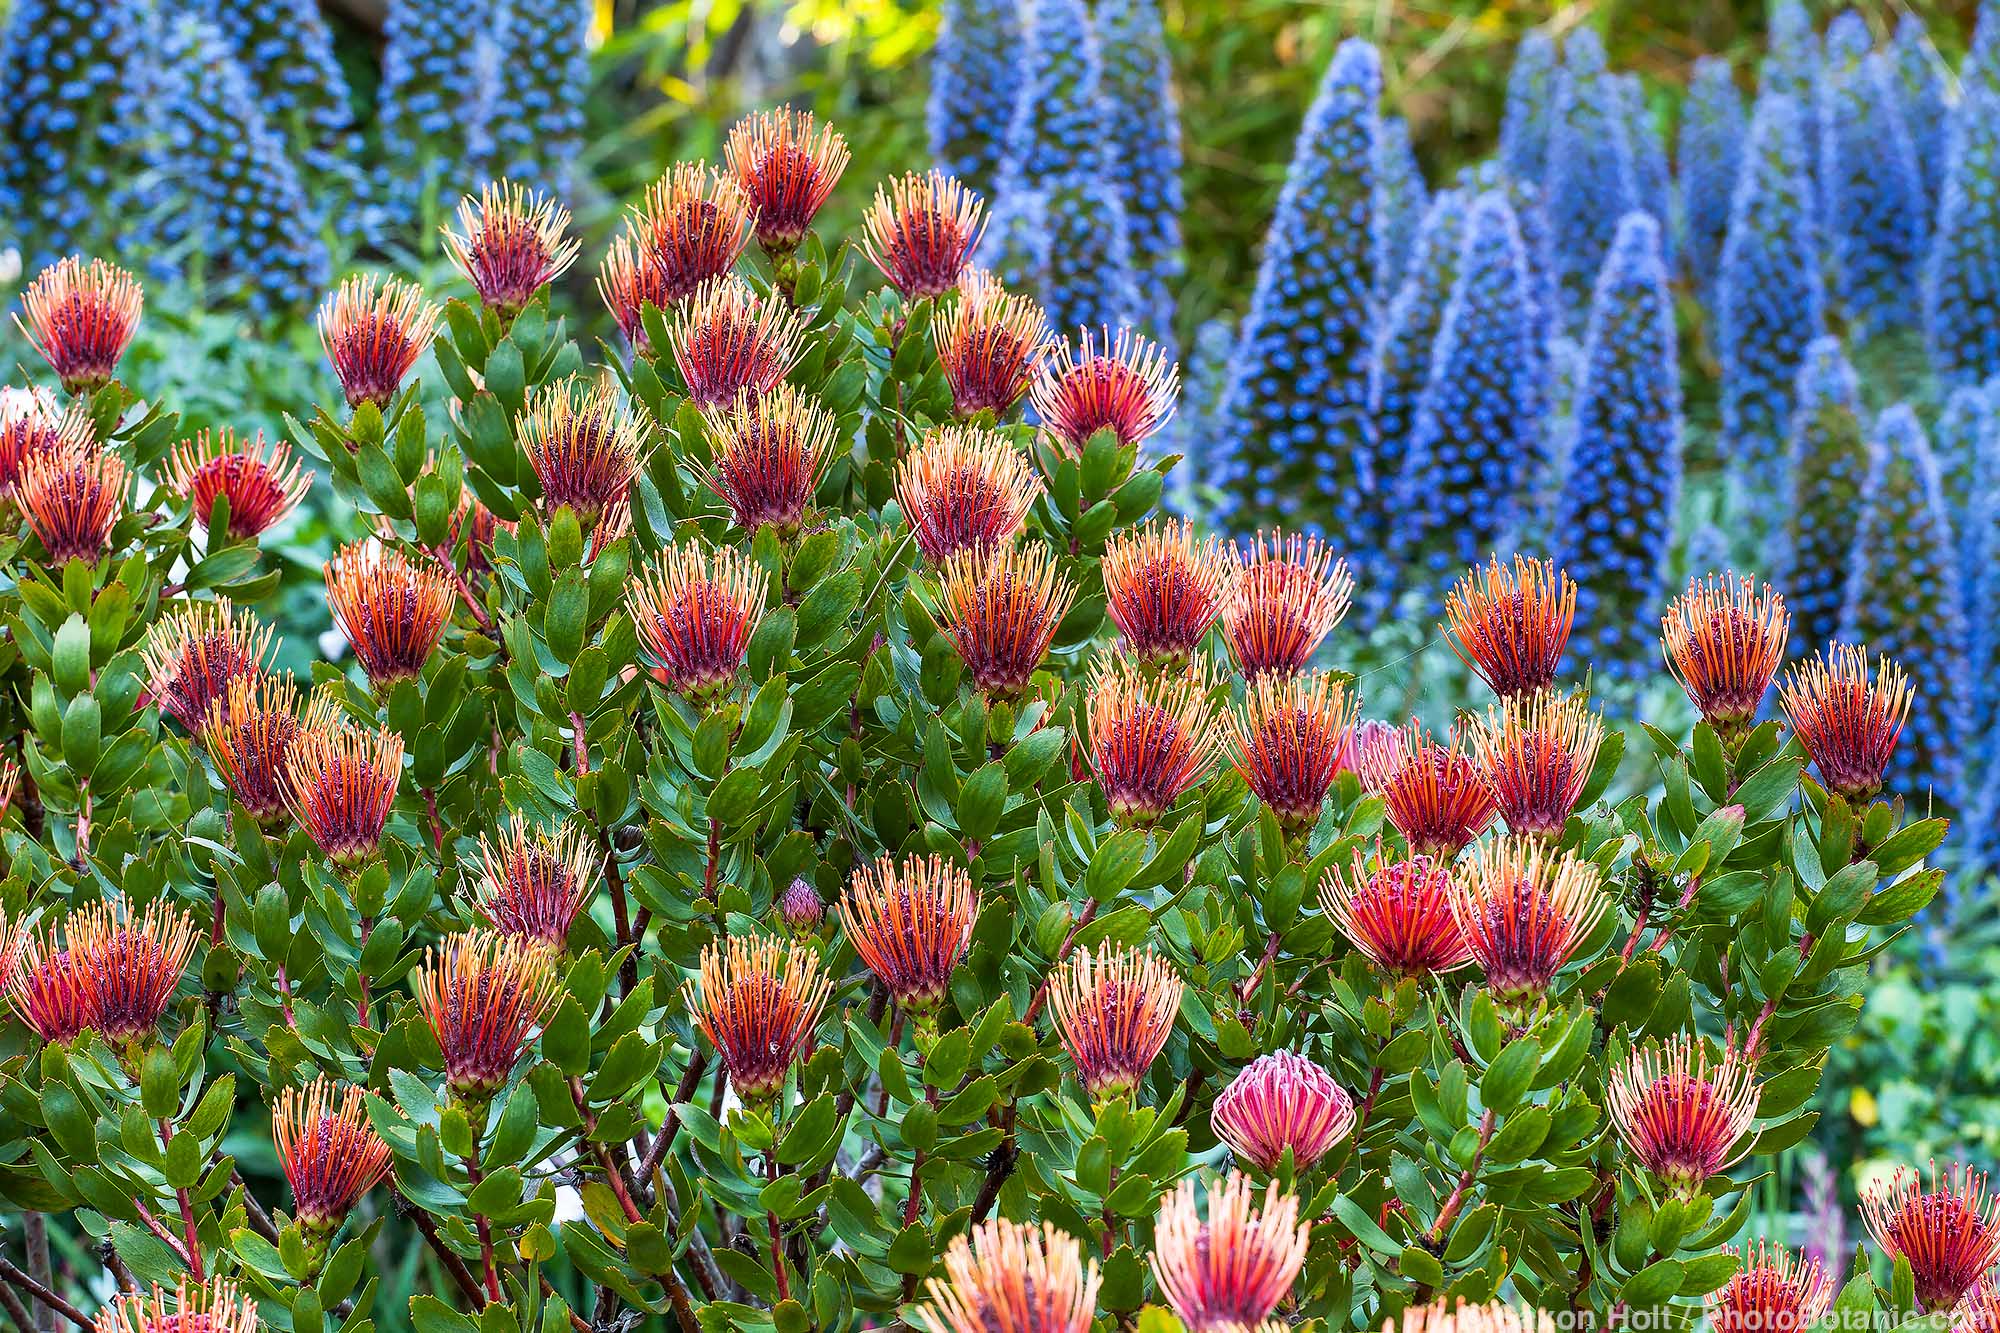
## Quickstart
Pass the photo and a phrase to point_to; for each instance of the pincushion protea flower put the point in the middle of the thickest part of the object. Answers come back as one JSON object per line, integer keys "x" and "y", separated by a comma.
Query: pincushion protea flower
{"x": 71, "y": 496}
{"x": 1285, "y": 597}
{"x": 694, "y": 613}
{"x": 218, "y": 1306}
{"x": 391, "y": 609}
{"x": 692, "y": 225}
{"x": 249, "y": 731}
{"x": 1397, "y": 913}
{"x": 1163, "y": 589}
{"x": 1013, "y": 1276}
{"x": 373, "y": 332}
{"x": 194, "y": 651}
{"x": 514, "y": 243}
{"x": 1510, "y": 624}
{"x": 31, "y": 423}
{"x": 1232, "y": 1270}
{"x": 921, "y": 230}
{"x": 1680, "y": 1112}
{"x": 484, "y": 995}
{"x": 629, "y": 280}
{"x": 1435, "y": 795}
{"x": 1282, "y": 1102}
{"x": 758, "y": 1002}
{"x": 48, "y": 983}
{"x": 1151, "y": 736}
{"x": 1288, "y": 741}
{"x": 910, "y": 924}
{"x": 1524, "y": 913}
{"x": 787, "y": 166}
{"x": 1371, "y": 736}
{"x": 1114, "y": 1011}
{"x": 1848, "y": 722}
{"x": 1536, "y": 754}
{"x": 261, "y": 482}
{"x": 532, "y": 884}
{"x": 330, "y": 1154}
{"x": 728, "y": 339}
{"x": 81, "y": 318}
{"x": 584, "y": 445}
{"x": 1119, "y": 383}
{"x": 1001, "y": 610}
{"x": 1724, "y": 638}
{"x": 769, "y": 452}
{"x": 1448, "y": 1315}
{"x": 1979, "y": 1311}
{"x": 340, "y": 781}
{"x": 989, "y": 345}
{"x": 800, "y": 907}
{"x": 1950, "y": 1233}
{"x": 1775, "y": 1291}
{"x": 128, "y": 966}
{"x": 964, "y": 489}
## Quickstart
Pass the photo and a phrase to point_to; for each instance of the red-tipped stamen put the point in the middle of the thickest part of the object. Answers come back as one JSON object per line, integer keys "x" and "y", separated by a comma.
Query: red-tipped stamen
{"x": 72, "y": 496}
{"x": 1151, "y": 736}
{"x": 1525, "y": 913}
{"x": 910, "y": 924}
{"x": 694, "y": 613}
{"x": 1511, "y": 623}
{"x": 512, "y": 244}
{"x": 1775, "y": 1291}
{"x": 1950, "y": 1233}
{"x": 1282, "y": 1103}
{"x": 1287, "y": 742}
{"x": 249, "y": 730}
{"x": 81, "y": 318}
{"x": 1229, "y": 1272}
{"x": 1434, "y": 794}
{"x": 787, "y": 166}
{"x": 964, "y": 489}
{"x": 920, "y": 232}
{"x": 585, "y": 446}
{"x": 769, "y": 452}
{"x": 1724, "y": 638}
{"x": 989, "y": 344}
{"x": 1848, "y": 721}
{"x": 129, "y": 966}
{"x": 218, "y": 1306}
{"x": 1284, "y": 598}
{"x": 1536, "y": 754}
{"x": 630, "y": 280}
{"x": 1163, "y": 589}
{"x": 32, "y": 423}
{"x": 49, "y": 983}
{"x": 1397, "y": 913}
{"x": 340, "y": 781}
{"x": 392, "y": 609}
{"x": 1114, "y": 1011}
{"x": 261, "y": 482}
{"x": 1123, "y": 384}
{"x": 485, "y": 996}
{"x": 1001, "y": 611}
{"x": 532, "y": 884}
{"x": 692, "y": 224}
{"x": 758, "y": 1002}
{"x": 728, "y": 339}
{"x": 374, "y": 332}
{"x": 194, "y": 652}
{"x": 1012, "y": 1276}
{"x": 1681, "y": 1113}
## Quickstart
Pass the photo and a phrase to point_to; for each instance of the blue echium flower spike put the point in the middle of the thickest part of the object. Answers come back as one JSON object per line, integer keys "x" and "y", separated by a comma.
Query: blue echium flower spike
{"x": 440, "y": 70}
{"x": 975, "y": 77}
{"x": 1706, "y": 552}
{"x": 1962, "y": 274}
{"x": 1524, "y": 125}
{"x": 1920, "y": 83}
{"x": 1652, "y": 179}
{"x": 1956, "y": 439}
{"x": 1979, "y": 546}
{"x": 1790, "y": 68}
{"x": 1711, "y": 151}
{"x": 1981, "y": 67}
{"x": 544, "y": 76}
{"x": 1193, "y": 427}
{"x": 1591, "y": 181}
{"x": 286, "y": 48}
{"x": 1144, "y": 131}
{"x": 1409, "y": 330}
{"x": 1872, "y": 190}
{"x": 1829, "y": 463}
{"x": 1404, "y": 200}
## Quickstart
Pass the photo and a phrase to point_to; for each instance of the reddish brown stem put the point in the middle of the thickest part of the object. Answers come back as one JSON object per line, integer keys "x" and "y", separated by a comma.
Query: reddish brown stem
{"x": 186, "y": 1202}
{"x": 777, "y": 1234}
{"x": 22, "y": 1282}
{"x": 1457, "y": 1198}
{"x": 579, "y": 744}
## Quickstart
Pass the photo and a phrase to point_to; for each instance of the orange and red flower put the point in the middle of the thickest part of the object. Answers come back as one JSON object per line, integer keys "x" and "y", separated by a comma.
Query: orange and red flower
{"x": 532, "y": 884}
{"x": 1536, "y": 754}
{"x": 964, "y": 489}
{"x": 1001, "y": 609}
{"x": 48, "y": 983}
{"x": 920, "y": 232}
{"x": 989, "y": 345}
{"x": 218, "y": 1306}
{"x": 249, "y": 730}
{"x": 1452, "y": 1315}
{"x": 391, "y": 609}
{"x": 1123, "y": 384}
{"x": 691, "y": 226}
{"x": 1288, "y": 742}
{"x": 261, "y": 483}
{"x": 71, "y": 496}
{"x": 1525, "y": 912}
{"x": 81, "y": 318}
{"x": 694, "y": 613}
{"x": 340, "y": 781}
{"x": 330, "y": 1154}
{"x": 1950, "y": 1233}
{"x": 194, "y": 651}
{"x": 1681, "y": 1113}
{"x": 1398, "y": 914}
{"x": 787, "y": 166}
{"x": 630, "y": 280}
{"x": 1286, "y": 596}
{"x": 31, "y": 423}
{"x": 1151, "y": 736}
{"x": 769, "y": 452}
{"x": 514, "y": 243}
{"x": 1724, "y": 638}
{"x": 1113, "y": 1011}
{"x": 374, "y": 332}
{"x": 1163, "y": 589}
{"x": 127, "y": 966}
{"x": 1434, "y": 794}
{"x": 910, "y": 924}
{"x": 1510, "y": 624}
{"x": 758, "y": 1002}
{"x": 727, "y": 339}
{"x": 584, "y": 445}
{"x": 1229, "y": 1272}
{"x": 1774, "y": 1291}
{"x": 1848, "y": 722}
{"x": 485, "y": 996}
{"x": 1012, "y": 1276}
{"x": 1282, "y": 1103}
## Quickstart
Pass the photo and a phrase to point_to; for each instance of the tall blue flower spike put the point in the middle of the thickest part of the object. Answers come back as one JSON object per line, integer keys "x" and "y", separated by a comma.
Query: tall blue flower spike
{"x": 1591, "y": 181}
{"x": 1711, "y": 153}
{"x": 1143, "y": 122}
{"x": 1829, "y": 464}
{"x": 1524, "y": 125}
{"x": 440, "y": 75}
{"x": 538, "y": 108}
{"x": 975, "y": 77}
{"x": 1962, "y": 276}
{"x": 1871, "y": 188}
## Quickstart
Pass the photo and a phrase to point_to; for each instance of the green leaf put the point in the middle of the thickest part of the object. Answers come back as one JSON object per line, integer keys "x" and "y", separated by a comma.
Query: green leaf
{"x": 1507, "y": 1078}
{"x": 1652, "y": 1285}
{"x": 1363, "y": 1228}
{"x": 1115, "y": 862}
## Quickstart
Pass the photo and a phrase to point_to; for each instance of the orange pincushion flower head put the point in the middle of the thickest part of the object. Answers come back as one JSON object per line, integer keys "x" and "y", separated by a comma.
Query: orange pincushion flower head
{"x": 770, "y": 451}
{"x": 31, "y": 423}
{"x": 1012, "y": 1276}
{"x": 484, "y": 995}
{"x": 921, "y": 231}
{"x": 532, "y": 884}
{"x": 249, "y": 731}
{"x": 374, "y": 331}
{"x": 1950, "y": 1233}
{"x": 1285, "y": 596}
{"x": 72, "y": 495}
{"x": 1979, "y": 1310}
{"x": 1536, "y": 753}
{"x": 129, "y": 966}
{"x": 1848, "y": 722}
{"x": 194, "y": 651}
{"x": 1163, "y": 589}
{"x": 629, "y": 280}
{"x": 1119, "y": 383}
{"x": 218, "y": 1306}
{"x": 48, "y": 983}
{"x": 514, "y": 243}
{"x": 1435, "y": 795}
{"x": 1525, "y": 912}
{"x": 727, "y": 338}
{"x": 81, "y": 318}
{"x": 1774, "y": 1291}
{"x": 330, "y": 1154}
{"x": 1724, "y": 639}
{"x": 989, "y": 344}
{"x": 1680, "y": 1112}
{"x": 1231, "y": 1271}
{"x": 340, "y": 781}
{"x": 1287, "y": 742}
{"x": 758, "y": 1001}
{"x": 261, "y": 482}
{"x": 1114, "y": 1011}
{"x": 964, "y": 489}
{"x": 1151, "y": 736}
{"x": 786, "y": 165}
{"x": 1449, "y": 1315}
{"x": 584, "y": 445}
{"x": 911, "y": 923}
{"x": 1282, "y": 1102}
{"x": 694, "y": 613}
{"x": 1511, "y": 623}
{"x": 1397, "y": 913}
{"x": 1001, "y": 610}
{"x": 692, "y": 224}
{"x": 392, "y": 609}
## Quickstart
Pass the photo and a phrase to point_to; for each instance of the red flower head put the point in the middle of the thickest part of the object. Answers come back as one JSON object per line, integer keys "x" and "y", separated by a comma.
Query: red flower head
{"x": 694, "y": 613}
{"x": 485, "y": 995}
{"x": 49, "y": 984}
{"x": 373, "y": 333}
{"x": 71, "y": 497}
{"x": 1398, "y": 914}
{"x": 1724, "y": 638}
{"x": 330, "y": 1154}
{"x": 758, "y": 1002}
{"x": 787, "y": 166}
{"x": 1163, "y": 589}
{"x": 1774, "y": 1291}
{"x": 128, "y": 967}
{"x": 1447, "y": 1315}
{"x": 192, "y": 654}
{"x": 1123, "y": 384}
{"x": 921, "y": 230}
{"x": 1979, "y": 1312}
{"x": 391, "y": 608}
{"x": 261, "y": 483}
{"x": 964, "y": 489}
{"x": 1001, "y": 610}
{"x": 1510, "y": 625}
{"x": 1151, "y": 736}
{"x": 1680, "y": 1112}
{"x": 340, "y": 781}
{"x": 728, "y": 339}
{"x": 911, "y": 924}
{"x": 514, "y": 244}
{"x": 249, "y": 731}
{"x": 532, "y": 884}
{"x": 629, "y": 280}
{"x": 1285, "y": 597}
{"x": 1231, "y": 1271}
{"x": 1012, "y": 1276}
{"x": 217, "y": 1307}
{"x": 1524, "y": 913}
{"x": 1848, "y": 723}
{"x": 1288, "y": 743}
{"x": 989, "y": 344}
{"x": 584, "y": 445}
{"x": 1536, "y": 754}
{"x": 1371, "y": 736}
{"x": 1436, "y": 796}
{"x": 1282, "y": 1102}
{"x": 691, "y": 226}
{"x": 800, "y": 907}
{"x": 769, "y": 453}
{"x": 1950, "y": 1234}
{"x": 1114, "y": 1012}
{"x": 81, "y": 319}
{"x": 31, "y": 424}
